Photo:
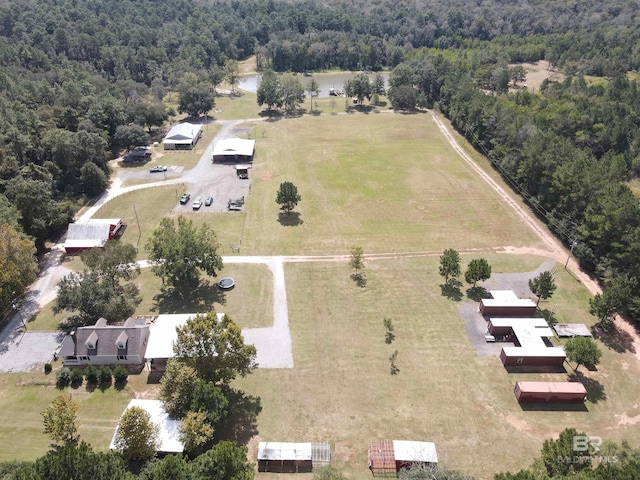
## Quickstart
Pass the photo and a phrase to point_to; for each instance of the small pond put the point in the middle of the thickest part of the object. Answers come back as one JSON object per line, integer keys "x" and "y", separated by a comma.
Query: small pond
{"x": 326, "y": 81}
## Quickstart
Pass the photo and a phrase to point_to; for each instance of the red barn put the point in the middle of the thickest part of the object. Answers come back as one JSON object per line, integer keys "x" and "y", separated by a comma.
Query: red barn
{"x": 95, "y": 232}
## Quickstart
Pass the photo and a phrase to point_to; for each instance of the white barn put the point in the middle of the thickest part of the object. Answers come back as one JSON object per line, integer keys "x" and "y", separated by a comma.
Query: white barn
{"x": 182, "y": 136}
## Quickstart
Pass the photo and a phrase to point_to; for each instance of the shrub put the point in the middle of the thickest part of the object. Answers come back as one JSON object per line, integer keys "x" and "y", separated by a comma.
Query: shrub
{"x": 63, "y": 377}
{"x": 47, "y": 368}
{"x": 76, "y": 377}
{"x": 104, "y": 375}
{"x": 120, "y": 374}
{"x": 91, "y": 375}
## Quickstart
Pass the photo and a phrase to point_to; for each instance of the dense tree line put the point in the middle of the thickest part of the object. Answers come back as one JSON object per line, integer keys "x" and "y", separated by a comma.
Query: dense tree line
{"x": 569, "y": 149}
{"x": 79, "y": 81}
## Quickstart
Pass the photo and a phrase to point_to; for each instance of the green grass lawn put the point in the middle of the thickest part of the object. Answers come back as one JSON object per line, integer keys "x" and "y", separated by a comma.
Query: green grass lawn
{"x": 341, "y": 389}
{"x": 388, "y": 183}
{"x": 25, "y": 395}
{"x": 151, "y": 205}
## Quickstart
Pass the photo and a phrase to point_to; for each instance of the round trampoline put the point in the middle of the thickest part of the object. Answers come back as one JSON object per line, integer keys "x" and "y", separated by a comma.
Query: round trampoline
{"x": 226, "y": 283}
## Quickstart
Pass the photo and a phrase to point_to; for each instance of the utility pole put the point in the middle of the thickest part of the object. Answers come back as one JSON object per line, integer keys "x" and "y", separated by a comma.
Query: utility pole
{"x": 17, "y": 309}
{"x": 573, "y": 244}
{"x": 138, "y": 222}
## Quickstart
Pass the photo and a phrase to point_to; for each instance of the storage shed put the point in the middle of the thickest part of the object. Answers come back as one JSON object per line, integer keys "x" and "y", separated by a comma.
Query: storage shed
{"x": 234, "y": 150}
{"x": 560, "y": 392}
{"x": 182, "y": 136}
{"x": 287, "y": 457}
{"x": 92, "y": 233}
{"x": 387, "y": 457}
{"x": 505, "y": 303}
{"x": 572, "y": 330}
{"x": 533, "y": 356}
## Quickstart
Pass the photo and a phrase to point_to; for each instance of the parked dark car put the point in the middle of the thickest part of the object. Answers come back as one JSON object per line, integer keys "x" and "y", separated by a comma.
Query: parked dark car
{"x": 208, "y": 201}
{"x": 184, "y": 199}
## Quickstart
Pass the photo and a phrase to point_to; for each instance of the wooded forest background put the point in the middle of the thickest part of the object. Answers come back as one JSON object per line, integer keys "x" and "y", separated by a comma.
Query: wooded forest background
{"x": 73, "y": 72}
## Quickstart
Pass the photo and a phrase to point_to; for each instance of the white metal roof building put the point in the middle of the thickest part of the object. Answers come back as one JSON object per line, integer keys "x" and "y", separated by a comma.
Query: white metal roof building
{"x": 292, "y": 457}
{"x": 182, "y": 136}
{"x": 234, "y": 150}
{"x": 169, "y": 428}
{"x": 415, "y": 452}
{"x": 162, "y": 337}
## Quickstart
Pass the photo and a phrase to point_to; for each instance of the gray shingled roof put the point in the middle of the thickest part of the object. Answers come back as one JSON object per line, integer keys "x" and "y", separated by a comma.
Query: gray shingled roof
{"x": 107, "y": 338}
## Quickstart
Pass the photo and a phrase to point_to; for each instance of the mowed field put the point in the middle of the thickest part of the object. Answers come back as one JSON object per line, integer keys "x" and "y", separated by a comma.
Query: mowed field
{"x": 341, "y": 389}
{"x": 391, "y": 184}
{"x": 385, "y": 182}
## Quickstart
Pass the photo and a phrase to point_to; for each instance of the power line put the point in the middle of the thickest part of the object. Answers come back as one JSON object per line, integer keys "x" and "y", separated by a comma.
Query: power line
{"x": 568, "y": 235}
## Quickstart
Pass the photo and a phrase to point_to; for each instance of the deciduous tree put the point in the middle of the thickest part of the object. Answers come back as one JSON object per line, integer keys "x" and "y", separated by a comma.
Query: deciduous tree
{"x": 225, "y": 461}
{"x": 231, "y": 73}
{"x": 214, "y": 348}
{"x": 358, "y": 87}
{"x": 583, "y": 351}
{"x": 356, "y": 261}
{"x": 449, "y": 264}
{"x": 287, "y": 196}
{"x": 177, "y": 388}
{"x": 60, "y": 419}
{"x": 99, "y": 291}
{"x": 137, "y": 437}
{"x": 543, "y": 286}
{"x": 478, "y": 270}
{"x": 133, "y": 135}
{"x": 18, "y": 264}
{"x": 181, "y": 252}
{"x": 292, "y": 92}
{"x": 195, "y": 431}
{"x": 556, "y": 452}
{"x": 115, "y": 261}
{"x": 195, "y": 97}
{"x": 269, "y": 92}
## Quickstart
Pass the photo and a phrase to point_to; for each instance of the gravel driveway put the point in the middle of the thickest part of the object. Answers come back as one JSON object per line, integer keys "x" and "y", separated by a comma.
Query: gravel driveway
{"x": 25, "y": 352}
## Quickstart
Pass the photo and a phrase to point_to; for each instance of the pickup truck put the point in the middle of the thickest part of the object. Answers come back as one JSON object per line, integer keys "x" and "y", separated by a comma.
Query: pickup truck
{"x": 197, "y": 204}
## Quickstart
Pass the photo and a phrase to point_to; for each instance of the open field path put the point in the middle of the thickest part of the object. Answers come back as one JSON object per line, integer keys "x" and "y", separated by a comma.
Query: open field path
{"x": 559, "y": 252}
{"x": 44, "y": 290}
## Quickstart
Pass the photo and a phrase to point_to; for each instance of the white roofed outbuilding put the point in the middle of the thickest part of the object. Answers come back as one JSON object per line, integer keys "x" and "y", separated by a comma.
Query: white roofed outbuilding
{"x": 182, "y": 136}
{"x": 169, "y": 428}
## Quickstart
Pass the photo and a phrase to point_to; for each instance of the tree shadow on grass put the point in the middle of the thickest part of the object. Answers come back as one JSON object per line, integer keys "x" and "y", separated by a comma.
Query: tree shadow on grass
{"x": 477, "y": 293}
{"x": 595, "y": 390}
{"x": 199, "y": 299}
{"x": 240, "y": 425}
{"x": 290, "y": 219}
{"x": 617, "y": 340}
{"x": 549, "y": 316}
{"x": 451, "y": 289}
{"x": 360, "y": 279}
